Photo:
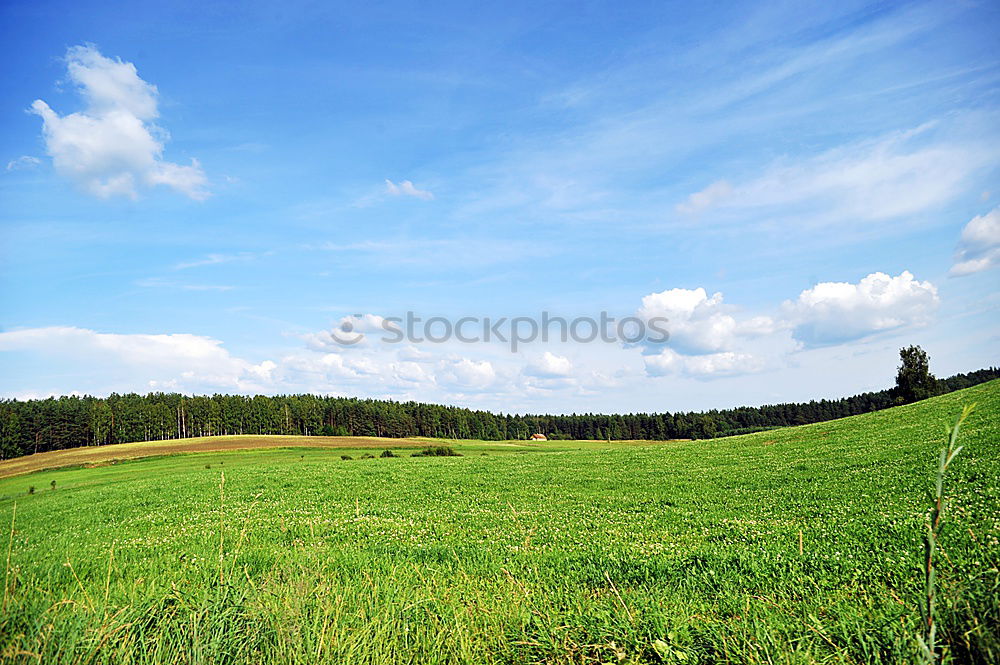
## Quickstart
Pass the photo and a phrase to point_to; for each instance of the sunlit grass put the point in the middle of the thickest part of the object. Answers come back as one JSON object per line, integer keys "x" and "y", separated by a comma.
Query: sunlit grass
{"x": 795, "y": 545}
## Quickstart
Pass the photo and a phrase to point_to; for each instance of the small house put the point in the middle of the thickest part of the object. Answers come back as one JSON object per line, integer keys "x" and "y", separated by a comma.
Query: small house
{"x": 538, "y": 437}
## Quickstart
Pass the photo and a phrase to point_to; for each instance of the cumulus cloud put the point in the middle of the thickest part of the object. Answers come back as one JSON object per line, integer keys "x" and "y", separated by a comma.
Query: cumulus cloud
{"x": 113, "y": 147}
{"x": 698, "y": 323}
{"x": 550, "y": 366}
{"x": 710, "y": 365}
{"x": 407, "y": 188}
{"x": 380, "y": 371}
{"x": 834, "y": 312}
{"x": 705, "y": 337}
{"x": 411, "y": 372}
{"x": 466, "y": 374}
{"x": 167, "y": 360}
{"x": 979, "y": 247}
{"x": 350, "y": 332}
{"x": 708, "y": 340}
{"x": 325, "y": 369}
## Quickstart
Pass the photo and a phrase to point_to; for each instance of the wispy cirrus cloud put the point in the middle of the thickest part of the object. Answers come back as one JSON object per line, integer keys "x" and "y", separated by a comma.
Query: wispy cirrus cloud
{"x": 159, "y": 283}
{"x": 889, "y": 177}
{"x": 795, "y": 137}
{"x": 215, "y": 259}
{"x": 407, "y": 188}
{"x": 441, "y": 252}
{"x": 23, "y": 163}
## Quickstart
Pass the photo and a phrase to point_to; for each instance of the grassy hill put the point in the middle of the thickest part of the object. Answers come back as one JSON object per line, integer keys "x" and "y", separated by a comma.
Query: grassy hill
{"x": 796, "y": 545}
{"x": 92, "y": 456}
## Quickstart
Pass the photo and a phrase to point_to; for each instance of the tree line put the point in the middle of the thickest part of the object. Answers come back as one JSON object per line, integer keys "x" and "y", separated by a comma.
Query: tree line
{"x": 30, "y": 426}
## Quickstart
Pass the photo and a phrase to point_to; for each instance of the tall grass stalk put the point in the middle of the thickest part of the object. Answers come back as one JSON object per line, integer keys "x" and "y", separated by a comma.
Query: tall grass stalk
{"x": 928, "y": 638}
{"x": 107, "y": 581}
{"x": 222, "y": 518}
{"x": 10, "y": 546}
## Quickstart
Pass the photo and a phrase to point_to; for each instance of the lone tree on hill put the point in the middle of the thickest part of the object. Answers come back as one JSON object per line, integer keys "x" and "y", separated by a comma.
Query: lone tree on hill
{"x": 914, "y": 380}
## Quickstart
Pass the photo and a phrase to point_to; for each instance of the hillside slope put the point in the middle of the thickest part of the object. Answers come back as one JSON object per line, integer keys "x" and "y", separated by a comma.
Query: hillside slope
{"x": 797, "y": 545}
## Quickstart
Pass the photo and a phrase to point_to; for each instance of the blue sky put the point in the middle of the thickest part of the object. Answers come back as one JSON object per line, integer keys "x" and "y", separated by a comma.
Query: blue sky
{"x": 193, "y": 195}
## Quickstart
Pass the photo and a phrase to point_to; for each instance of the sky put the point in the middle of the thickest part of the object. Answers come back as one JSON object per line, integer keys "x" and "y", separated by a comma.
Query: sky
{"x": 201, "y": 197}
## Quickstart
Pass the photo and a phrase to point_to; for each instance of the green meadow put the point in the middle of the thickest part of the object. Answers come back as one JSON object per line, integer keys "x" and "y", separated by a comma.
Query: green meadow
{"x": 798, "y": 545}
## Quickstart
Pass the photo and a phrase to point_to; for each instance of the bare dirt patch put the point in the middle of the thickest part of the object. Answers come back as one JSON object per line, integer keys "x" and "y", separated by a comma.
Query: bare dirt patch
{"x": 100, "y": 455}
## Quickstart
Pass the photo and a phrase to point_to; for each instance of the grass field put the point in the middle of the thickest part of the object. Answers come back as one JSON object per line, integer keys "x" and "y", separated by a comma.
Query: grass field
{"x": 104, "y": 455}
{"x": 798, "y": 545}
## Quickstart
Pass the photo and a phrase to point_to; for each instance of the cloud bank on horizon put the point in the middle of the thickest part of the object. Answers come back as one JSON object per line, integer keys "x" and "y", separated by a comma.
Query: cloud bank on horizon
{"x": 706, "y": 342}
{"x": 791, "y": 190}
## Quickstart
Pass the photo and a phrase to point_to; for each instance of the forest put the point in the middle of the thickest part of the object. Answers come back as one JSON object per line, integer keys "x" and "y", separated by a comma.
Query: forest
{"x": 30, "y": 426}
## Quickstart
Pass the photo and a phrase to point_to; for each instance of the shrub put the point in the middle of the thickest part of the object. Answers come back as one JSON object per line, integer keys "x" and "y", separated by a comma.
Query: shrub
{"x": 346, "y": 457}
{"x": 53, "y": 484}
{"x": 31, "y": 489}
{"x": 437, "y": 451}
{"x": 387, "y": 453}
{"x": 367, "y": 456}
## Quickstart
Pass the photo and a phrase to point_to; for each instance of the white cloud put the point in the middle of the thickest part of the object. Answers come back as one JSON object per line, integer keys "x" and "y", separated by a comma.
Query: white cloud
{"x": 696, "y": 322}
{"x": 406, "y": 188}
{"x": 215, "y": 259}
{"x": 710, "y": 340}
{"x": 411, "y": 372}
{"x": 113, "y": 146}
{"x": 23, "y": 163}
{"x": 410, "y": 353}
{"x": 711, "y": 365}
{"x": 758, "y": 326}
{"x": 979, "y": 248}
{"x": 550, "y": 366}
{"x": 466, "y": 374}
{"x": 705, "y": 338}
{"x": 158, "y": 283}
{"x": 833, "y": 312}
{"x": 324, "y": 370}
{"x": 440, "y": 253}
{"x": 898, "y": 174}
{"x": 431, "y": 375}
{"x": 355, "y": 331}
{"x": 706, "y": 198}
{"x": 179, "y": 359}
{"x": 699, "y": 323}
